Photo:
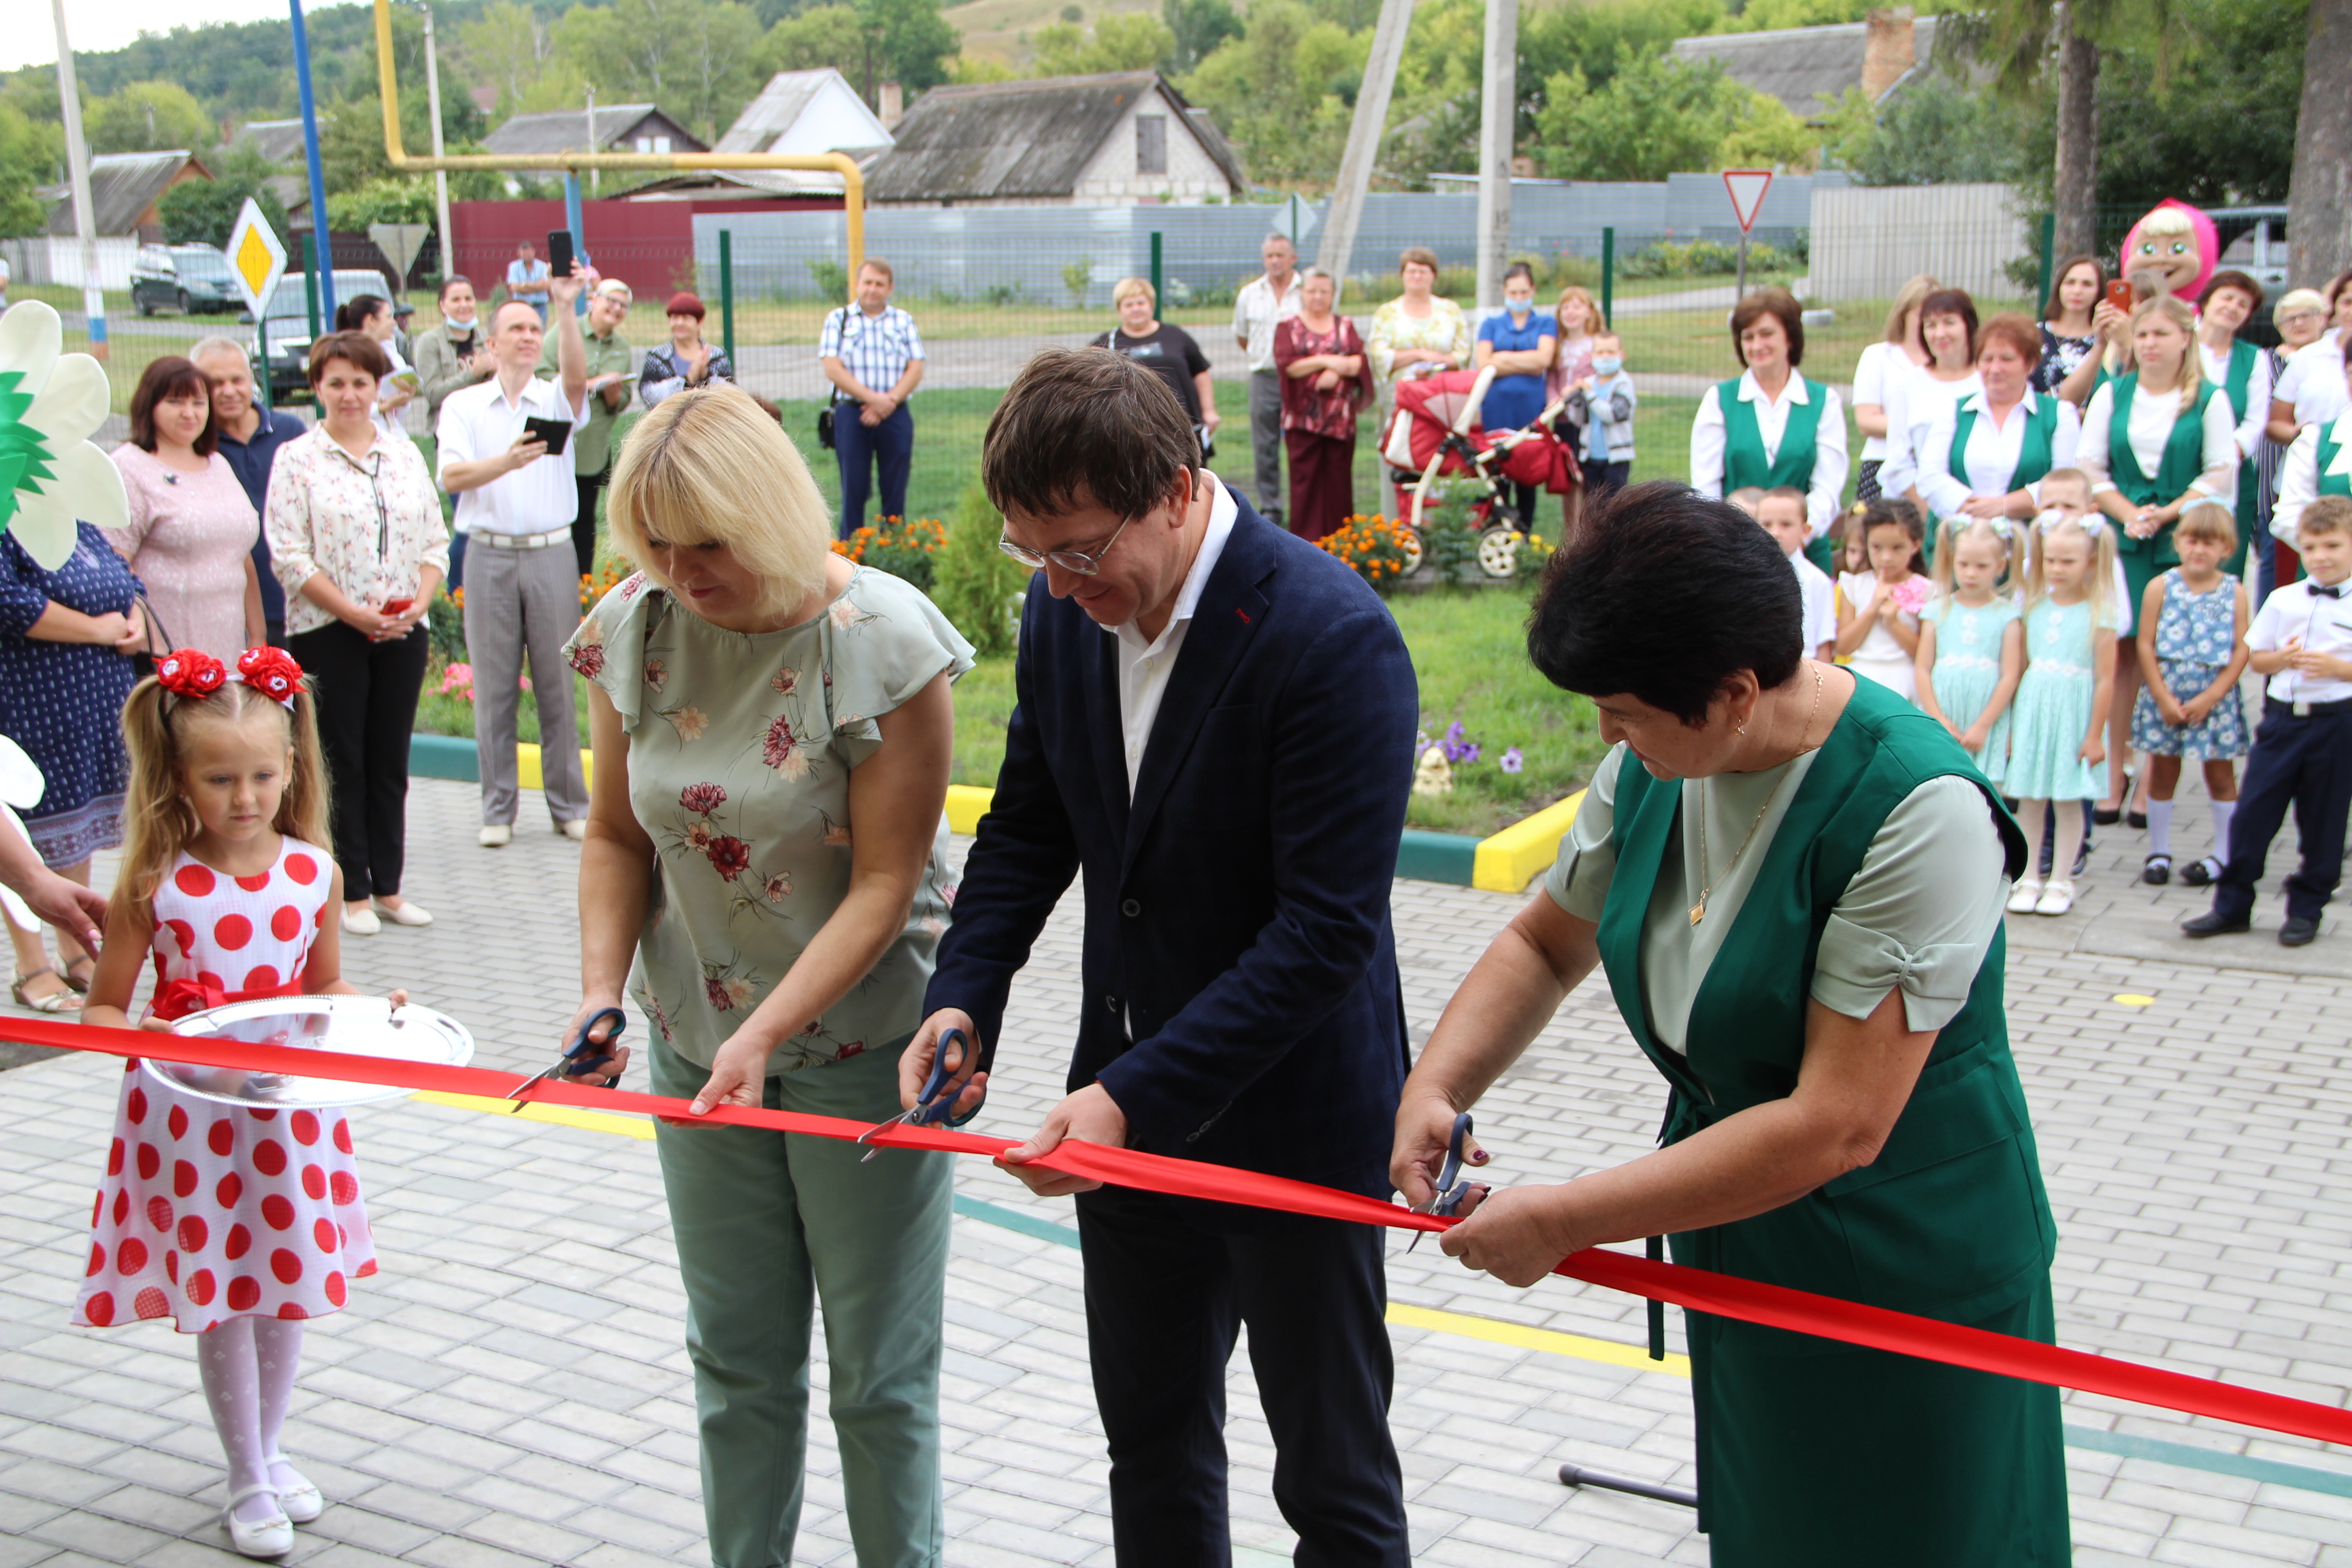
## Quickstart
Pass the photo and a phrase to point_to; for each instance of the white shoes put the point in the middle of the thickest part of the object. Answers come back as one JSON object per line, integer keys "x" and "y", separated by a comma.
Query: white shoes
{"x": 2055, "y": 899}
{"x": 409, "y": 913}
{"x": 575, "y": 831}
{"x": 272, "y": 1535}
{"x": 2028, "y": 893}
{"x": 299, "y": 1498}
{"x": 495, "y": 836}
{"x": 363, "y": 924}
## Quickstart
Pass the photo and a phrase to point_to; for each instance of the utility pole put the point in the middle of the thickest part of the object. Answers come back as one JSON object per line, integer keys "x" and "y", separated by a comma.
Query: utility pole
{"x": 440, "y": 176}
{"x": 593, "y": 173}
{"x": 1347, "y": 209}
{"x": 1499, "y": 124}
{"x": 93, "y": 293}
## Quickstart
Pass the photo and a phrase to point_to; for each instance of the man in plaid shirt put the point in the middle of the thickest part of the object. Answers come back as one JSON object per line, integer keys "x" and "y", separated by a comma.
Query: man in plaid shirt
{"x": 871, "y": 345}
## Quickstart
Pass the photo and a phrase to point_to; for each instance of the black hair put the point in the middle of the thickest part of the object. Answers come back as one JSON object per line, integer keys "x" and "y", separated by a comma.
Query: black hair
{"x": 1085, "y": 425}
{"x": 352, "y": 314}
{"x": 1666, "y": 597}
{"x": 1892, "y": 511}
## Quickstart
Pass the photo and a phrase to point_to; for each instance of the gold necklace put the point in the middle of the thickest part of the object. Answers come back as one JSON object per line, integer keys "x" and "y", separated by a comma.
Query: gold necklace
{"x": 1698, "y": 910}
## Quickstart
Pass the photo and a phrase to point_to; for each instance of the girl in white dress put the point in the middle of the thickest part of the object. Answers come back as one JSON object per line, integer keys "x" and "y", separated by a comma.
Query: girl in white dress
{"x": 1878, "y": 622}
{"x": 235, "y": 1224}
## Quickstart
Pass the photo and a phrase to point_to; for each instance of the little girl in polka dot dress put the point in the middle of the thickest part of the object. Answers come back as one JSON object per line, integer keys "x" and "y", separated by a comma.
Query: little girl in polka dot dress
{"x": 237, "y": 1225}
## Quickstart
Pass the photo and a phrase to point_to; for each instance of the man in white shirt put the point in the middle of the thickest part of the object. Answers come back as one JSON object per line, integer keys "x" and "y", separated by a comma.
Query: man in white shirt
{"x": 516, "y": 500}
{"x": 527, "y": 279}
{"x": 1262, "y": 303}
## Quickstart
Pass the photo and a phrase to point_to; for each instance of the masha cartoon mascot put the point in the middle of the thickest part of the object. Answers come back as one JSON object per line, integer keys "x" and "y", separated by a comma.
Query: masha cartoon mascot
{"x": 2173, "y": 249}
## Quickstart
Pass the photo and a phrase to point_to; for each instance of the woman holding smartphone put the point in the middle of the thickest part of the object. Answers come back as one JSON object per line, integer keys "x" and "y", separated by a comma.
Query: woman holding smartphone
{"x": 356, "y": 538}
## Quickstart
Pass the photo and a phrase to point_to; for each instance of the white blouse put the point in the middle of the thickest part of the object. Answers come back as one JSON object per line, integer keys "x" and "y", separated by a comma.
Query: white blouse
{"x": 2299, "y": 476}
{"x": 1880, "y": 364}
{"x": 1830, "y": 463}
{"x": 1914, "y": 406}
{"x": 2153, "y": 414}
{"x": 2258, "y": 394}
{"x": 1993, "y": 451}
{"x": 2313, "y": 381}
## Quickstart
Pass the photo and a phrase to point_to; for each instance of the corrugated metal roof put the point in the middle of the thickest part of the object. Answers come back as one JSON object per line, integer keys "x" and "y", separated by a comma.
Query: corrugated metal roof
{"x": 1012, "y": 138}
{"x": 280, "y": 140}
{"x": 122, "y": 186}
{"x": 566, "y": 130}
{"x": 1808, "y": 69}
{"x": 771, "y": 114}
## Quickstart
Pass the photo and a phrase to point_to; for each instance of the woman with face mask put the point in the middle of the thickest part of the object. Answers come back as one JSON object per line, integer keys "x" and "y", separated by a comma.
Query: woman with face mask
{"x": 1521, "y": 347}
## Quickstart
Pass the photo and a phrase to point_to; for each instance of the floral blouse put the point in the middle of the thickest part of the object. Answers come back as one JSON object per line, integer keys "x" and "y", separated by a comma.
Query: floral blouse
{"x": 1444, "y": 328}
{"x": 1330, "y": 413}
{"x": 371, "y": 526}
{"x": 740, "y": 747}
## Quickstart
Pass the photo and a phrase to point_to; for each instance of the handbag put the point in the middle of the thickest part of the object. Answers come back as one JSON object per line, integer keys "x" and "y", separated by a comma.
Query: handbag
{"x": 143, "y": 663}
{"x": 824, "y": 414}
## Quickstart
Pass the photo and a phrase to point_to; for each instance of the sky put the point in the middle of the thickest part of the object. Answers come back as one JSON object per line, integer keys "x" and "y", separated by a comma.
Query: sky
{"x": 110, "y": 25}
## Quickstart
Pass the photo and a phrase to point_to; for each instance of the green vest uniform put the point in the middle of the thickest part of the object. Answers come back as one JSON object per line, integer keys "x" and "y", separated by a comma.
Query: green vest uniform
{"x": 1812, "y": 1454}
{"x": 2238, "y": 386}
{"x": 1744, "y": 463}
{"x": 2183, "y": 461}
{"x": 2033, "y": 452}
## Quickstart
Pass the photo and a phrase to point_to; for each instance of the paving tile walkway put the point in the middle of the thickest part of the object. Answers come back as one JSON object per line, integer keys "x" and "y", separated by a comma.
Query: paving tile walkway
{"x": 511, "y": 1390}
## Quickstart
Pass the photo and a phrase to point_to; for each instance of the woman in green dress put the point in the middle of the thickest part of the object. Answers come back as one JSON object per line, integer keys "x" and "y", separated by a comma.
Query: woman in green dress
{"x": 765, "y": 876}
{"x": 1793, "y": 881}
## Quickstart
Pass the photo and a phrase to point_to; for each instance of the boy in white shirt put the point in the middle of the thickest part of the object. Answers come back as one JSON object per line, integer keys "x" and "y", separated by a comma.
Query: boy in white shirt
{"x": 1783, "y": 513}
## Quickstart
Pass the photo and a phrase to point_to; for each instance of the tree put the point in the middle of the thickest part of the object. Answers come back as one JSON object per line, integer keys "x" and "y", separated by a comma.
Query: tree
{"x": 1122, "y": 41}
{"x": 1283, "y": 92}
{"x": 1937, "y": 132}
{"x": 813, "y": 39}
{"x": 505, "y": 45}
{"x": 916, "y": 42}
{"x": 2319, "y": 234}
{"x": 1658, "y": 115}
{"x": 202, "y": 212}
{"x": 149, "y": 117}
{"x": 28, "y": 153}
{"x": 691, "y": 58}
{"x": 1196, "y": 27}
{"x": 1768, "y": 135}
{"x": 905, "y": 41}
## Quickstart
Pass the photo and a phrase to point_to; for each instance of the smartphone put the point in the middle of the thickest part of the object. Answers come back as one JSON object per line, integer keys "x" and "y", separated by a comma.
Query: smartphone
{"x": 554, "y": 432}
{"x": 2119, "y": 295}
{"x": 558, "y": 252}
{"x": 397, "y": 607}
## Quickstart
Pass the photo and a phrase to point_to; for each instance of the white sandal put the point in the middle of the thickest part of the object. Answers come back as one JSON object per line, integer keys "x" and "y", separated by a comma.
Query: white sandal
{"x": 301, "y": 1499}
{"x": 2057, "y": 896}
{"x": 270, "y": 1536}
{"x": 2022, "y": 900}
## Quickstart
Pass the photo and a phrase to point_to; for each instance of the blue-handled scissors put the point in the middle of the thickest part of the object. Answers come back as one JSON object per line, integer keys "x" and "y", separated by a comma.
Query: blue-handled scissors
{"x": 1454, "y": 1188}
{"x": 931, "y": 1111}
{"x": 569, "y": 1064}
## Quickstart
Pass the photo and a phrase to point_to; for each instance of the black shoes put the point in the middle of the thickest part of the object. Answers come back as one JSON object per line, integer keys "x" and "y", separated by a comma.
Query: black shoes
{"x": 2297, "y": 932}
{"x": 2201, "y": 873}
{"x": 2215, "y": 923}
{"x": 2157, "y": 871}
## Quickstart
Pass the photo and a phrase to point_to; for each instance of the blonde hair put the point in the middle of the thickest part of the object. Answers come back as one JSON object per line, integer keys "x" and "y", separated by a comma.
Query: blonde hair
{"x": 1595, "y": 323}
{"x": 2209, "y": 519}
{"x": 1907, "y": 299}
{"x": 1126, "y": 285}
{"x": 1952, "y": 530}
{"x": 2176, "y": 310}
{"x": 159, "y": 823}
{"x": 2099, "y": 580}
{"x": 707, "y": 466}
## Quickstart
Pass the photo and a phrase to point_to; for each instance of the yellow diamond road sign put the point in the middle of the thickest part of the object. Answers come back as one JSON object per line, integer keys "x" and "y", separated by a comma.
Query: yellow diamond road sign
{"x": 257, "y": 257}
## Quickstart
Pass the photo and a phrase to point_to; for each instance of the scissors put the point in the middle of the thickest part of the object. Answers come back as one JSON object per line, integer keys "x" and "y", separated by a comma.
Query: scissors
{"x": 1454, "y": 1188}
{"x": 569, "y": 1064}
{"x": 931, "y": 1111}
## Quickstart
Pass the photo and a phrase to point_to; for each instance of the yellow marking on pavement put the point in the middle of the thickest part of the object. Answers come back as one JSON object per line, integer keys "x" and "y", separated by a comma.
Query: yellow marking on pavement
{"x": 2132, "y": 999}
{"x": 561, "y": 1115}
{"x": 1546, "y": 1340}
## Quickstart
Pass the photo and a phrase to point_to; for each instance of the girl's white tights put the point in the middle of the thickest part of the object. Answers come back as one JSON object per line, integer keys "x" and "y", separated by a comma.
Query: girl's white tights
{"x": 248, "y": 1365}
{"x": 2065, "y": 844}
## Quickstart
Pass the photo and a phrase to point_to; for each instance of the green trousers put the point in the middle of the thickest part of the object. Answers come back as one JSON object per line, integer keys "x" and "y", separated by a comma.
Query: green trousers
{"x": 770, "y": 1226}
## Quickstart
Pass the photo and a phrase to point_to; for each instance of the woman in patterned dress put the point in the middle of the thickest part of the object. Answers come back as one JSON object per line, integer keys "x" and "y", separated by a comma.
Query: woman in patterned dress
{"x": 237, "y": 1225}
{"x": 1325, "y": 384}
{"x": 192, "y": 524}
{"x": 765, "y": 875}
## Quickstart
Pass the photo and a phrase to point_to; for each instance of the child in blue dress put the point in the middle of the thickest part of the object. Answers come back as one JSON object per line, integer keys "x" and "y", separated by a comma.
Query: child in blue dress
{"x": 2056, "y": 744}
{"x": 1971, "y": 643}
{"x": 2188, "y": 704}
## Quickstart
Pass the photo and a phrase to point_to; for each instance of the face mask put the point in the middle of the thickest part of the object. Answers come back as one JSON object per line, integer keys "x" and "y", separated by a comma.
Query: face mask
{"x": 1607, "y": 367}
{"x": 1518, "y": 308}
{"x": 463, "y": 322}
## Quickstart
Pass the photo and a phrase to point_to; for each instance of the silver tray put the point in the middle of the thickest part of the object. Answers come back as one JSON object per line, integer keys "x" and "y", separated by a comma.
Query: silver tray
{"x": 360, "y": 1026}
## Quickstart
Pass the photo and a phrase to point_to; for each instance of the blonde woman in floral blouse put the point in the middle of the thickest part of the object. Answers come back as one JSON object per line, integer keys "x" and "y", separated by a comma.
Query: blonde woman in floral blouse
{"x": 357, "y": 541}
{"x": 1417, "y": 333}
{"x": 765, "y": 875}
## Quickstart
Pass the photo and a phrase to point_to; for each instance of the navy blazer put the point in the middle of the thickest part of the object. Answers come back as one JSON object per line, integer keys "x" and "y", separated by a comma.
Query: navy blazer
{"x": 1238, "y": 910}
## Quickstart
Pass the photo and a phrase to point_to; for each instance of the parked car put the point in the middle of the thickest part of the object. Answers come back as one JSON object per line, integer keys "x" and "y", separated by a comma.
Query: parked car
{"x": 188, "y": 279}
{"x": 285, "y": 326}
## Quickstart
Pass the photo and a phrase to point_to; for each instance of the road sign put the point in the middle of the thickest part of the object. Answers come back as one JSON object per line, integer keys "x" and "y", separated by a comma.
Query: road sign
{"x": 1746, "y": 187}
{"x": 257, "y": 257}
{"x": 399, "y": 242}
{"x": 1296, "y": 220}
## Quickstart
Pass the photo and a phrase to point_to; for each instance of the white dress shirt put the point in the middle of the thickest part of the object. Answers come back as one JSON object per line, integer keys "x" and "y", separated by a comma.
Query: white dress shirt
{"x": 2153, "y": 414}
{"x": 1772, "y": 422}
{"x": 2324, "y": 624}
{"x": 2313, "y": 381}
{"x": 479, "y": 422}
{"x": 1993, "y": 451}
{"x": 2258, "y": 394}
{"x": 1144, "y": 666}
{"x": 2299, "y": 475}
{"x": 1914, "y": 403}
{"x": 1821, "y": 602}
{"x": 1256, "y": 313}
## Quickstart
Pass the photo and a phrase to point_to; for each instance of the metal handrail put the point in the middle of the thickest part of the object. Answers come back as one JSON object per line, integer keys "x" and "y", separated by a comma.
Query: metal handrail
{"x": 853, "y": 181}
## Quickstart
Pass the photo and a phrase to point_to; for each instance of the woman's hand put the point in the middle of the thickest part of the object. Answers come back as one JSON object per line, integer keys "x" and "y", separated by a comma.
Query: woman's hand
{"x": 372, "y": 624}
{"x": 595, "y": 1077}
{"x": 1516, "y": 1234}
{"x": 393, "y": 399}
{"x": 127, "y": 634}
{"x": 1985, "y": 507}
{"x": 1424, "y": 1132}
{"x": 2105, "y": 319}
{"x": 1327, "y": 381}
{"x": 2144, "y": 522}
{"x": 738, "y": 1074}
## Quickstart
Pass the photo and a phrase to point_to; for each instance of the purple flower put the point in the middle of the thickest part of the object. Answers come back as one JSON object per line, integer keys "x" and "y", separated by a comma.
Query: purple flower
{"x": 1467, "y": 752}
{"x": 1511, "y": 761}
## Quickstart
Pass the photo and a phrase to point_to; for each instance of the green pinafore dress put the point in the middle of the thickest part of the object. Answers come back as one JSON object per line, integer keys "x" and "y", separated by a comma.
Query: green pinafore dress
{"x": 1812, "y": 1454}
{"x": 2238, "y": 386}
{"x": 1744, "y": 463}
{"x": 2184, "y": 458}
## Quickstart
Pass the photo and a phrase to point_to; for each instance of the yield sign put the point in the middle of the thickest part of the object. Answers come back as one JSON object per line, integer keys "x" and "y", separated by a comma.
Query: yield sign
{"x": 257, "y": 257}
{"x": 1746, "y": 187}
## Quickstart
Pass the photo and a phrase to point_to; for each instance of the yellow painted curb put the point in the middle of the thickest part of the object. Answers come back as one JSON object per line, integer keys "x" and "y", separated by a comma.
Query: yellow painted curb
{"x": 527, "y": 772}
{"x": 561, "y": 1115}
{"x": 1516, "y": 856}
{"x": 967, "y": 803}
{"x": 1497, "y": 1331}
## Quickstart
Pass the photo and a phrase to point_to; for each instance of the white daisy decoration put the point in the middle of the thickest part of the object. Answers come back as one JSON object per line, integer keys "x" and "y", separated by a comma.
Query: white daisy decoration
{"x": 52, "y": 403}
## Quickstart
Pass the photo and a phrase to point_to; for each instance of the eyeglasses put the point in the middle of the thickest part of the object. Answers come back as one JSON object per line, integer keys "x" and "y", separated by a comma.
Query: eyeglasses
{"x": 1069, "y": 561}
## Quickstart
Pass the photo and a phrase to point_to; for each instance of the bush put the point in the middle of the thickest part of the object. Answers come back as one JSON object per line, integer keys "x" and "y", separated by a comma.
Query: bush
{"x": 1450, "y": 542}
{"x": 892, "y": 544}
{"x": 975, "y": 584}
{"x": 1372, "y": 547}
{"x": 832, "y": 280}
{"x": 1075, "y": 276}
{"x": 1705, "y": 259}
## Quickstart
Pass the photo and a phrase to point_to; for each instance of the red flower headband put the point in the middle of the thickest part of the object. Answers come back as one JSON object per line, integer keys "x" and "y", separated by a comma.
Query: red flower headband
{"x": 188, "y": 672}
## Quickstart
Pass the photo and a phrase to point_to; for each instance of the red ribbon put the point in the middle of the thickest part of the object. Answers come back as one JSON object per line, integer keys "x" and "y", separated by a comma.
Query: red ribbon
{"x": 1696, "y": 1289}
{"x": 178, "y": 998}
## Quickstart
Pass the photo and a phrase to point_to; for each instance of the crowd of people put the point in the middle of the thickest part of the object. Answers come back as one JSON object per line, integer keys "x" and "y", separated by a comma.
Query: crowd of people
{"x": 1818, "y": 730}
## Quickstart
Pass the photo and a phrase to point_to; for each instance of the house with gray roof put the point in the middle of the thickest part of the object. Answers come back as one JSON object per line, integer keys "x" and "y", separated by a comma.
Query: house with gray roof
{"x": 280, "y": 140}
{"x": 124, "y": 188}
{"x": 1810, "y": 68}
{"x": 617, "y": 128}
{"x": 1118, "y": 138}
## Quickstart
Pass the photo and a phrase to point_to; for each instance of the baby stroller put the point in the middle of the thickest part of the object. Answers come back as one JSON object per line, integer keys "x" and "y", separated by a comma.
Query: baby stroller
{"x": 1435, "y": 434}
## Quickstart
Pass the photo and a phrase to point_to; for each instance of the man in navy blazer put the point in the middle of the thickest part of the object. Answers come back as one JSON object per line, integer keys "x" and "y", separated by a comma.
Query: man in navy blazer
{"x": 1216, "y": 724}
